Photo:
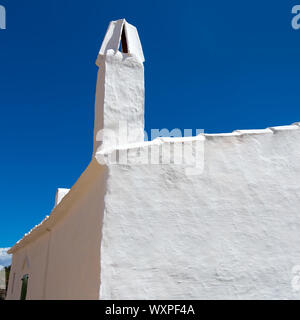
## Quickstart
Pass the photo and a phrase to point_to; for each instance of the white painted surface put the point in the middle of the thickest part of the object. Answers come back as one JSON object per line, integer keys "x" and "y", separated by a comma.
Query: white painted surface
{"x": 119, "y": 105}
{"x": 60, "y": 194}
{"x": 119, "y": 101}
{"x": 113, "y": 37}
{"x": 62, "y": 255}
{"x": 230, "y": 233}
{"x": 155, "y": 232}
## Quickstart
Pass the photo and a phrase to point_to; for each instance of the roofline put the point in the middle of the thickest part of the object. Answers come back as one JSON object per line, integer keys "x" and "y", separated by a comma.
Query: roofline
{"x": 201, "y": 136}
{"x": 95, "y": 165}
{"x": 61, "y": 210}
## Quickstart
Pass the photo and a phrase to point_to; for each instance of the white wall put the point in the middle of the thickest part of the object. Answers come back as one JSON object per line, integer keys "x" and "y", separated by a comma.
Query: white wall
{"x": 74, "y": 258}
{"x": 64, "y": 262}
{"x": 231, "y": 233}
{"x": 29, "y": 260}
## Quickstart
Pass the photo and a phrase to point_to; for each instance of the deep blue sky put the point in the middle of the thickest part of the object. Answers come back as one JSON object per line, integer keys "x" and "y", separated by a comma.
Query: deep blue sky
{"x": 214, "y": 65}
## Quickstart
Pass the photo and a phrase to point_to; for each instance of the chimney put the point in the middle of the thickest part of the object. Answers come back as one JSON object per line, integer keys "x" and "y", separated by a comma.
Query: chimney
{"x": 119, "y": 106}
{"x": 60, "y": 194}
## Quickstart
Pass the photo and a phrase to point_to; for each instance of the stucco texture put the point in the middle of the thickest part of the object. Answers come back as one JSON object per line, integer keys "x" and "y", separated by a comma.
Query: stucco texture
{"x": 222, "y": 224}
{"x": 63, "y": 259}
{"x": 231, "y": 232}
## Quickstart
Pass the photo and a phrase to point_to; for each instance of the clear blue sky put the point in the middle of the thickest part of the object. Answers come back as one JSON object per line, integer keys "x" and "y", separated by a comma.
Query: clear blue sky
{"x": 213, "y": 65}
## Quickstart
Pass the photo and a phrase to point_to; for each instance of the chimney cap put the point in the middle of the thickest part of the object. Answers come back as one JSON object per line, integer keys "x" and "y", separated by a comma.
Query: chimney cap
{"x": 113, "y": 36}
{"x": 60, "y": 194}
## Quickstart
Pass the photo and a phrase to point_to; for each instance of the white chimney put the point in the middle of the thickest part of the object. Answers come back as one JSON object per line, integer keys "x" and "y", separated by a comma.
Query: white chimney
{"x": 60, "y": 194}
{"x": 120, "y": 88}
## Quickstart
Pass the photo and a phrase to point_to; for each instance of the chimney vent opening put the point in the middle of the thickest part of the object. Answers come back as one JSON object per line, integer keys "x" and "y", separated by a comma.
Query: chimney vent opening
{"x": 124, "y": 46}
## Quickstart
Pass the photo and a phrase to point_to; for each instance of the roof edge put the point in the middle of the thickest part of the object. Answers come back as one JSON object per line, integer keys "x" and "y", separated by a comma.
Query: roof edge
{"x": 61, "y": 209}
